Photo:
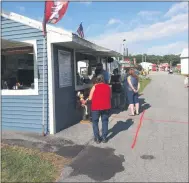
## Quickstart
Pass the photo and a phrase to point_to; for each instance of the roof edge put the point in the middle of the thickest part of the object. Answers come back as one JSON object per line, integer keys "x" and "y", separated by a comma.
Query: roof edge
{"x": 33, "y": 23}
{"x": 94, "y": 46}
{"x": 50, "y": 28}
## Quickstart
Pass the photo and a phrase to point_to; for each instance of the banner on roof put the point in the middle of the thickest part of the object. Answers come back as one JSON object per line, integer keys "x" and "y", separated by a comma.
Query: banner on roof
{"x": 54, "y": 11}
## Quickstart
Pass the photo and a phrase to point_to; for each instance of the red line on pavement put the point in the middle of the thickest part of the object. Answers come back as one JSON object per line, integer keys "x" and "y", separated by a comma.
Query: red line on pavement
{"x": 138, "y": 128}
{"x": 166, "y": 121}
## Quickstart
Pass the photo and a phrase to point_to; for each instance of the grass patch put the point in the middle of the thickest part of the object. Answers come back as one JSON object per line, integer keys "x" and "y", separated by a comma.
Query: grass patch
{"x": 27, "y": 165}
{"x": 143, "y": 83}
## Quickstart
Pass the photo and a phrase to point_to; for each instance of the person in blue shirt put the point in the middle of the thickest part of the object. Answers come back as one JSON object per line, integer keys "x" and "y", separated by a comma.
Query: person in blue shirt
{"x": 125, "y": 74}
{"x": 100, "y": 70}
{"x": 133, "y": 86}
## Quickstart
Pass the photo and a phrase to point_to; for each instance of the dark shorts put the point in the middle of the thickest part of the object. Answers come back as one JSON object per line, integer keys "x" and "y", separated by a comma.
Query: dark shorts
{"x": 132, "y": 97}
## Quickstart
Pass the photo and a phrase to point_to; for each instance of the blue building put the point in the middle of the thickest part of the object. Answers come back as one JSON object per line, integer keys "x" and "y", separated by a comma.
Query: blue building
{"x": 39, "y": 77}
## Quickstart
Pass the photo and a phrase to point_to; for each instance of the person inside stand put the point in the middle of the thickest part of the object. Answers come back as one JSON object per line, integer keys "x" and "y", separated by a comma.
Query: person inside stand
{"x": 100, "y": 97}
{"x": 116, "y": 88}
{"x": 132, "y": 92}
{"x": 100, "y": 70}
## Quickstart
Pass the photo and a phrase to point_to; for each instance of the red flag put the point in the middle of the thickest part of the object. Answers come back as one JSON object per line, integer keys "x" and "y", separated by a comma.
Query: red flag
{"x": 54, "y": 11}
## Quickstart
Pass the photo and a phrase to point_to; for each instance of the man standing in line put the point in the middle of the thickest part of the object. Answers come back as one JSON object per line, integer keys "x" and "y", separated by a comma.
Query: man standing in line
{"x": 100, "y": 70}
{"x": 116, "y": 88}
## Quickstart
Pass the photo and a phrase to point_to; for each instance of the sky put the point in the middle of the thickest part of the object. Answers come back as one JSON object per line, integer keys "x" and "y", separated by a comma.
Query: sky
{"x": 158, "y": 28}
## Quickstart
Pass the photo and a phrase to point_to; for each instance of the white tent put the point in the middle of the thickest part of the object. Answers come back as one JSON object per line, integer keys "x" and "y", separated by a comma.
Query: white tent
{"x": 184, "y": 59}
{"x": 146, "y": 65}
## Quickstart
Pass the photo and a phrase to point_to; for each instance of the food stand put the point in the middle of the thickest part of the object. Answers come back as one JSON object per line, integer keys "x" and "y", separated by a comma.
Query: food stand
{"x": 60, "y": 66}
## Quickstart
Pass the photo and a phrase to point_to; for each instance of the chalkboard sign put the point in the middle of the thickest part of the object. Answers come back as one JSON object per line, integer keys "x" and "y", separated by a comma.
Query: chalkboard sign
{"x": 65, "y": 71}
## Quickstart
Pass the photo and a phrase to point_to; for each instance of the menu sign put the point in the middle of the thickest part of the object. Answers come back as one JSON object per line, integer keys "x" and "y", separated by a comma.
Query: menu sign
{"x": 65, "y": 71}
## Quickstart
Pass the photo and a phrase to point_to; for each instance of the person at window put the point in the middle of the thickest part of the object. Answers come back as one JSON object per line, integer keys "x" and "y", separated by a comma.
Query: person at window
{"x": 116, "y": 88}
{"x": 100, "y": 97}
{"x": 132, "y": 92}
{"x": 100, "y": 70}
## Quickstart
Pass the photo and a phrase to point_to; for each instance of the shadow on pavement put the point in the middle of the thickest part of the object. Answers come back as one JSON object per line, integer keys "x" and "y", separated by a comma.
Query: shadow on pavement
{"x": 115, "y": 111}
{"x": 143, "y": 105}
{"x": 119, "y": 127}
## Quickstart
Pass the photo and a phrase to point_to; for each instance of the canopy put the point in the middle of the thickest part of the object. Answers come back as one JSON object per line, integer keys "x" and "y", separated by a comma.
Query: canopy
{"x": 5, "y": 44}
{"x": 87, "y": 47}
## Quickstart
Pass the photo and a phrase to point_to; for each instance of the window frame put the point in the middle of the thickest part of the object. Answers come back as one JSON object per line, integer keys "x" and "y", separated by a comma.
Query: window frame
{"x": 34, "y": 91}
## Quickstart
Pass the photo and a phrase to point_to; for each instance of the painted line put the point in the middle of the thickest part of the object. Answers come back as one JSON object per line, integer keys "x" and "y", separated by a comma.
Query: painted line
{"x": 138, "y": 128}
{"x": 165, "y": 121}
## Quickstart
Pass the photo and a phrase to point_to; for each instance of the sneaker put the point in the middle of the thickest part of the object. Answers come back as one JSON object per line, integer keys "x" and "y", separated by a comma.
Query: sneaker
{"x": 97, "y": 140}
{"x": 104, "y": 140}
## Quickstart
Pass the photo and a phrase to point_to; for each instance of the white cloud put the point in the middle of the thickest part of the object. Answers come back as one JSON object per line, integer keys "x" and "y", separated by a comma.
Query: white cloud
{"x": 40, "y": 19}
{"x": 91, "y": 28}
{"x": 114, "y": 21}
{"x": 88, "y": 29}
{"x": 21, "y": 8}
{"x": 139, "y": 35}
{"x": 86, "y": 2}
{"x": 177, "y": 8}
{"x": 175, "y": 25}
{"x": 172, "y": 48}
{"x": 149, "y": 13}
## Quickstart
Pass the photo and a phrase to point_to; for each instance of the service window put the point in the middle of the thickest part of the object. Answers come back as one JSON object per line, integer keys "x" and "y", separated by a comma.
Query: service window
{"x": 18, "y": 71}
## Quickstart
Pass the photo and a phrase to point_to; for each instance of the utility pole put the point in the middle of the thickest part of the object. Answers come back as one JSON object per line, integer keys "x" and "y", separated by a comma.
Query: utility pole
{"x": 124, "y": 40}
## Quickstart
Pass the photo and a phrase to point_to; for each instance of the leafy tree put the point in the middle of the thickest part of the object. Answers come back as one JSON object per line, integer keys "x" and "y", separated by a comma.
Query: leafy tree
{"x": 157, "y": 59}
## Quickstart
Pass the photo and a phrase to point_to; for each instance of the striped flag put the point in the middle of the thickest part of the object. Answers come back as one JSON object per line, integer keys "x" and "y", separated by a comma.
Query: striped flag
{"x": 80, "y": 31}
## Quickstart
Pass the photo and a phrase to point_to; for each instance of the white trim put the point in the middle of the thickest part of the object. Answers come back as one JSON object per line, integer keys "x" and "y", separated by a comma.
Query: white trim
{"x": 75, "y": 69}
{"x": 51, "y": 86}
{"x": 19, "y": 92}
{"x": 27, "y": 91}
{"x": 57, "y": 38}
{"x": 34, "y": 23}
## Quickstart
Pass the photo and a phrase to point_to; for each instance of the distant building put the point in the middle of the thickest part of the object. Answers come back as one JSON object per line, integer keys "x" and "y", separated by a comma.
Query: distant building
{"x": 184, "y": 59}
{"x": 164, "y": 66}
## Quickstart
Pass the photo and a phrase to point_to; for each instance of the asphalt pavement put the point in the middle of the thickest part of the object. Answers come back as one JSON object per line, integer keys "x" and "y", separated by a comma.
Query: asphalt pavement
{"x": 151, "y": 147}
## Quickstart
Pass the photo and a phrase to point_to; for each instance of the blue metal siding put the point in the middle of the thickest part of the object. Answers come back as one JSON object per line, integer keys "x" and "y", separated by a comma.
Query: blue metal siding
{"x": 24, "y": 113}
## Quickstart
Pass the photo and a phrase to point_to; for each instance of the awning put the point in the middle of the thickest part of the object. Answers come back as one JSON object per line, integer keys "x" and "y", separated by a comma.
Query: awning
{"x": 15, "y": 47}
{"x": 86, "y": 47}
{"x": 5, "y": 44}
